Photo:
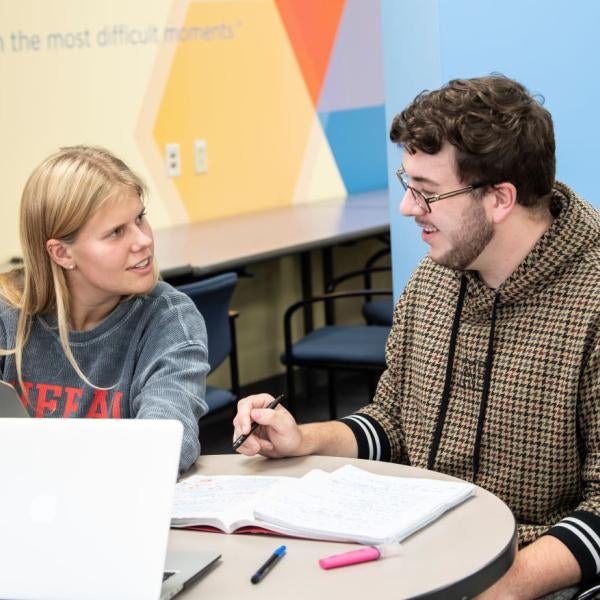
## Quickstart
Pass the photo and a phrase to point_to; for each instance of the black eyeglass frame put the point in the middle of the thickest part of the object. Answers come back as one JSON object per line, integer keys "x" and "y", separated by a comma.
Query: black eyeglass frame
{"x": 423, "y": 201}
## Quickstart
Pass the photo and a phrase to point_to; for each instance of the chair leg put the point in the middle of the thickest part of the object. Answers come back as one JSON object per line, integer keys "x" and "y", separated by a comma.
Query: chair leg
{"x": 233, "y": 360}
{"x": 331, "y": 394}
{"x": 309, "y": 383}
{"x": 291, "y": 390}
{"x": 233, "y": 410}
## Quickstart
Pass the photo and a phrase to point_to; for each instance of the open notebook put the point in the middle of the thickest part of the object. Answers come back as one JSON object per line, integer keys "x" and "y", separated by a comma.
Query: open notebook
{"x": 85, "y": 510}
{"x": 348, "y": 505}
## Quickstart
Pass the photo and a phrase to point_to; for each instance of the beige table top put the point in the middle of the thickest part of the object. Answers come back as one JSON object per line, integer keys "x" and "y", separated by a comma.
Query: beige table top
{"x": 455, "y": 557}
{"x": 232, "y": 242}
{"x": 220, "y": 244}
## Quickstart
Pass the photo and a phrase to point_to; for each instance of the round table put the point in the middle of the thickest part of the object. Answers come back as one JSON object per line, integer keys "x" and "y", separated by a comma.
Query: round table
{"x": 457, "y": 556}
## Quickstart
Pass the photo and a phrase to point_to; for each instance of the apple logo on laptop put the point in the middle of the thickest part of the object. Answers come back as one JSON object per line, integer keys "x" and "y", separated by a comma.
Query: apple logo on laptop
{"x": 43, "y": 508}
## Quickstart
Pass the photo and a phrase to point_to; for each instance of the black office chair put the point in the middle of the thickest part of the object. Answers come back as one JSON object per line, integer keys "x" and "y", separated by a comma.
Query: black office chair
{"x": 334, "y": 347}
{"x": 212, "y": 297}
{"x": 380, "y": 311}
{"x": 376, "y": 311}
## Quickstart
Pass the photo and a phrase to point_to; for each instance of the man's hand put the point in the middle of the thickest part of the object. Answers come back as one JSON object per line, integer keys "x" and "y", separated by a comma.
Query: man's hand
{"x": 278, "y": 434}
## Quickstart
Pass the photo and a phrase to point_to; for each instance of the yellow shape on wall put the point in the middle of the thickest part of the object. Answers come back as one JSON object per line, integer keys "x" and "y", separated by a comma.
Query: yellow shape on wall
{"x": 235, "y": 84}
{"x": 319, "y": 178}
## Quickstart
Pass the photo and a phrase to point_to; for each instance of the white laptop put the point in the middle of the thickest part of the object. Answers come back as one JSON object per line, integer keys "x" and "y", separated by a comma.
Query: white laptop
{"x": 10, "y": 404}
{"x": 85, "y": 507}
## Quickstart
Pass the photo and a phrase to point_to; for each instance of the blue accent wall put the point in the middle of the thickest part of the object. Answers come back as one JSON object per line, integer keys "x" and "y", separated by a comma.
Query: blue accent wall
{"x": 550, "y": 47}
{"x": 359, "y": 149}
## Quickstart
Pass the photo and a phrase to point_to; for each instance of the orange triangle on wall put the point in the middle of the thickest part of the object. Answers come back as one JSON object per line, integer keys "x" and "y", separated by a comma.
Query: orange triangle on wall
{"x": 311, "y": 26}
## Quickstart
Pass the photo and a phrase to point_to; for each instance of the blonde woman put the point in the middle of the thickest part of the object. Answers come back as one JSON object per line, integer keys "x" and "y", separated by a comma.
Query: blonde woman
{"x": 86, "y": 328}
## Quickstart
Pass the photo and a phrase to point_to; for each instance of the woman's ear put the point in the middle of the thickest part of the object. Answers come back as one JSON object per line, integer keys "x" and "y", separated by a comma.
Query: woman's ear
{"x": 504, "y": 200}
{"x": 60, "y": 254}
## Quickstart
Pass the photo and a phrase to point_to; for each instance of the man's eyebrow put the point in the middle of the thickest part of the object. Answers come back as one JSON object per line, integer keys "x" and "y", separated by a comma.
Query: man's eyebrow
{"x": 419, "y": 179}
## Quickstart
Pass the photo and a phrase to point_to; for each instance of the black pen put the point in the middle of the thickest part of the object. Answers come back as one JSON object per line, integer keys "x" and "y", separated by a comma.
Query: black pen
{"x": 253, "y": 427}
{"x": 271, "y": 562}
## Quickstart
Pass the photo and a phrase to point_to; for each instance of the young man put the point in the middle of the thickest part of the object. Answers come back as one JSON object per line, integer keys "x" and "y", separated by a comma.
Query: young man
{"x": 494, "y": 356}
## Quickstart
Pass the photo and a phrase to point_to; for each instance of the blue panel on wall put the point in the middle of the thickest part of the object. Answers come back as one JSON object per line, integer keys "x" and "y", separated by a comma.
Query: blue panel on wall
{"x": 358, "y": 141}
{"x": 411, "y": 63}
{"x": 549, "y": 47}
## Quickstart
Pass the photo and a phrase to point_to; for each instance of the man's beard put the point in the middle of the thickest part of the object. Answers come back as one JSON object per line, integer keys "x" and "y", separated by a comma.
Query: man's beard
{"x": 469, "y": 241}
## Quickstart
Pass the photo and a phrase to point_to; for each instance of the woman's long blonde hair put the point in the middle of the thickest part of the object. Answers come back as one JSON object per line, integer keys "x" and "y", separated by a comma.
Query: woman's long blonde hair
{"x": 59, "y": 198}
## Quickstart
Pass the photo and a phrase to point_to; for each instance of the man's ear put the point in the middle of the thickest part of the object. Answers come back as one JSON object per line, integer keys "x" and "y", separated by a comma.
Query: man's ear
{"x": 504, "y": 197}
{"x": 60, "y": 253}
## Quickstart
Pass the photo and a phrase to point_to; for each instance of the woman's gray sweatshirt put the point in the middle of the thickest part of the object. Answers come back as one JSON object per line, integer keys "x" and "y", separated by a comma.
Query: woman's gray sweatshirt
{"x": 150, "y": 352}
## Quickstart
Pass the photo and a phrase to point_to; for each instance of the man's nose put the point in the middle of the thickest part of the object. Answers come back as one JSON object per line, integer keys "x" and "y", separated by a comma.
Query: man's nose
{"x": 409, "y": 206}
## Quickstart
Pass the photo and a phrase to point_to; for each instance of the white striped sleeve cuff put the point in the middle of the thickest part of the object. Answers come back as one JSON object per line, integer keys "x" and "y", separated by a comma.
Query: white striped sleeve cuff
{"x": 372, "y": 441}
{"x": 580, "y": 532}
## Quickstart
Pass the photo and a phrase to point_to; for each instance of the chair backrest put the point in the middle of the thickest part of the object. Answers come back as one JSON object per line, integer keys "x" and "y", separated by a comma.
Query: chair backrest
{"x": 212, "y": 297}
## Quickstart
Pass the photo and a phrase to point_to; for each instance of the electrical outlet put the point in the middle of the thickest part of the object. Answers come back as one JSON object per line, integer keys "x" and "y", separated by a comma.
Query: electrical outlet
{"x": 173, "y": 158}
{"x": 200, "y": 156}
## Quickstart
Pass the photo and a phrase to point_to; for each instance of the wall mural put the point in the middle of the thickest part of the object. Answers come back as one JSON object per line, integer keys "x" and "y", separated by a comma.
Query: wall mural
{"x": 270, "y": 103}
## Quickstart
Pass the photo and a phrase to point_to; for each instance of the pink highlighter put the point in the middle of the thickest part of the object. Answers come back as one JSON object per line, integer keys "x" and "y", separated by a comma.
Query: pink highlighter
{"x": 354, "y": 557}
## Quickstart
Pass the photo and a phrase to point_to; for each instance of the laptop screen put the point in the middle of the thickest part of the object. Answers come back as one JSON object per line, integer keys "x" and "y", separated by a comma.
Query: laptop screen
{"x": 83, "y": 499}
{"x": 10, "y": 403}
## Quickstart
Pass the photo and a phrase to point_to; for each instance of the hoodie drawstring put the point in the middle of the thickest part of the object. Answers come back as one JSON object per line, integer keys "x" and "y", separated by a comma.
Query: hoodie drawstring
{"x": 489, "y": 360}
{"x": 437, "y": 434}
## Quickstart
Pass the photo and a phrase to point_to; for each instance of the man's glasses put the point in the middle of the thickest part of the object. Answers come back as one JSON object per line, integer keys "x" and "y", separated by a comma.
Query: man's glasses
{"x": 423, "y": 201}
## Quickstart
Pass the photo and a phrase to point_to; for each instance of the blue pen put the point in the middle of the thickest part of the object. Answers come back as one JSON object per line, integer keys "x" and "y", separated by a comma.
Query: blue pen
{"x": 269, "y": 564}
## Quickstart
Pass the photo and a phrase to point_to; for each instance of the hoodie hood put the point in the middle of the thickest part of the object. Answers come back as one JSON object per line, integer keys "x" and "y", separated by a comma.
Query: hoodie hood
{"x": 575, "y": 229}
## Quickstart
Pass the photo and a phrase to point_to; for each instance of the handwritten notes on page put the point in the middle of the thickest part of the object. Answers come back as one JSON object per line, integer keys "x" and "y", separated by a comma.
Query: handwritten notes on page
{"x": 354, "y": 505}
{"x": 222, "y": 501}
{"x": 348, "y": 505}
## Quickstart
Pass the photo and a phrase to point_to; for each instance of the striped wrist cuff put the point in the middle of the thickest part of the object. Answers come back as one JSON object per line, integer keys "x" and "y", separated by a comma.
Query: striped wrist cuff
{"x": 580, "y": 533}
{"x": 372, "y": 440}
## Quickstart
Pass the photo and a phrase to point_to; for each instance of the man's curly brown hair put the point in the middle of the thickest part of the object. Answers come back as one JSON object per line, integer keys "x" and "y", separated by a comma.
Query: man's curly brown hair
{"x": 500, "y": 133}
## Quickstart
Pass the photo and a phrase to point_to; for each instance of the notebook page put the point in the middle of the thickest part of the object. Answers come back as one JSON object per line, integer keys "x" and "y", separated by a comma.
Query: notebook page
{"x": 222, "y": 500}
{"x": 354, "y": 505}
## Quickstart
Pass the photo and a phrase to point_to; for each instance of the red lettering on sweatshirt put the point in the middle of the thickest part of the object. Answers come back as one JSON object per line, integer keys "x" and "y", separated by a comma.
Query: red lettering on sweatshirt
{"x": 46, "y": 405}
{"x": 25, "y": 394}
{"x": 52, "y": 400}
{"x": 116, "y": 405}
{"x": 71, "y": 404}
{"x": 98, "y": 408}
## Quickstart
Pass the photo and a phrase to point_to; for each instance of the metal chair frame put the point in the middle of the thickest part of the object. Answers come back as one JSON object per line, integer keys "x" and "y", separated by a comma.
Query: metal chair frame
{"x": 330, "y": 367}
